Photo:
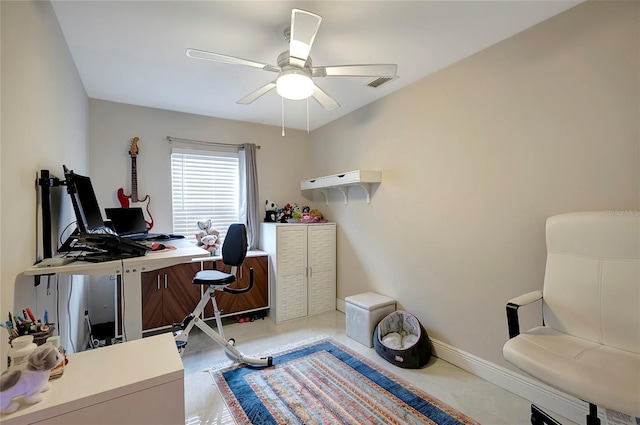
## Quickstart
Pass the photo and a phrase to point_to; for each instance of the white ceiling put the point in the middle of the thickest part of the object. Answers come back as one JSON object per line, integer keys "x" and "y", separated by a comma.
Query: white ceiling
{"x": 134, "y": 51}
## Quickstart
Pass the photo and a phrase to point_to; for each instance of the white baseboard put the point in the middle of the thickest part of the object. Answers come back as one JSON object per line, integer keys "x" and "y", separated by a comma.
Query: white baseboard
{"x": 527, "y": 388}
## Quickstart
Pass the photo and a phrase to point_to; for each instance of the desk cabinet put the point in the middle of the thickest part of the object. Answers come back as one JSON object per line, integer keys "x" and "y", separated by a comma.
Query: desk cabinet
{"x": 303, "y": 268}
{"x": 168, "y": 295}
{"x": 256, "y": 299}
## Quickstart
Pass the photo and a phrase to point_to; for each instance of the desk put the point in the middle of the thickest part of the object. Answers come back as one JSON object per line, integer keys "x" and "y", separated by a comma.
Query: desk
{"x": 130, "y": 269}
{"x": 137, "y": 382}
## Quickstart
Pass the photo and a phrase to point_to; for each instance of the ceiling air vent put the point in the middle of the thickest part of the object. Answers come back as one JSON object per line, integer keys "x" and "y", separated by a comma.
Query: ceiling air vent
{"x": 379, "y": 81}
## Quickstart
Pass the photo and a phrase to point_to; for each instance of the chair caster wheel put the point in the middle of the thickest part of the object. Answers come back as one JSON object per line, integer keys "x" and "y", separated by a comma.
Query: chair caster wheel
{"x": 232, "y": 342}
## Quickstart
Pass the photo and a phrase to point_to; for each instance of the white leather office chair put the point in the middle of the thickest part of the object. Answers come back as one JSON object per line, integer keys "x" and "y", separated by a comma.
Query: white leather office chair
{"x": 234, "y": 251}
{"x": 589, "y": 343}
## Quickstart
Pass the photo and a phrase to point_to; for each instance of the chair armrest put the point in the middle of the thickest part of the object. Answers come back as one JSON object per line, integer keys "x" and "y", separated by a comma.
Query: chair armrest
{"x": 512, "y": 310}
{"x": 526, "y": 298}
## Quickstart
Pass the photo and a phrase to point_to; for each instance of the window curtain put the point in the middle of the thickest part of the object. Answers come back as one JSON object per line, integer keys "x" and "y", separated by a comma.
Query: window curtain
{"x": 249, "y": 200}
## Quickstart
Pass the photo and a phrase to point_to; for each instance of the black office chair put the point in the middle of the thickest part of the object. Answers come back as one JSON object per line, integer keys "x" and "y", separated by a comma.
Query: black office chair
{"x": 234, "y": 251}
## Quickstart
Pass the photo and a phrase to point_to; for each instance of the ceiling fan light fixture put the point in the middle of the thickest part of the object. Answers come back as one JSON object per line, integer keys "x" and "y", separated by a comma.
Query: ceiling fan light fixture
{"x": 294, "y": 84}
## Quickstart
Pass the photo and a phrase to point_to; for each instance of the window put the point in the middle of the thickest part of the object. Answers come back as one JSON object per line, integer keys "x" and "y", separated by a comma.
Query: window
{"x": 205, "y": 184}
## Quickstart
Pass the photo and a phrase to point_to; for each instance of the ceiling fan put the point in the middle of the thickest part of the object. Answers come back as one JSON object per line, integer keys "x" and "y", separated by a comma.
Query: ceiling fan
{"x": 295, "y": 67}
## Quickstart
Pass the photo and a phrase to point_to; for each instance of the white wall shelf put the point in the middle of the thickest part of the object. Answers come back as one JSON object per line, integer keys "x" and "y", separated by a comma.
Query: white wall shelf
{"x": 341, "y": 182}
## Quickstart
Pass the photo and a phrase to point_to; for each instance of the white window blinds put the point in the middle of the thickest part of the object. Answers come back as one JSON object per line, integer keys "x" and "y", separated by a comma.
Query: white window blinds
{"x": 205, "y": 185}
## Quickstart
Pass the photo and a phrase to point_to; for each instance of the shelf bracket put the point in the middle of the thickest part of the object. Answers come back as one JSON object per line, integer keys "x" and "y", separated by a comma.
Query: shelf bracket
{"x": 325, "y": 193}
{"x": 367, "y": 189}
{"x": 345, "y": 191}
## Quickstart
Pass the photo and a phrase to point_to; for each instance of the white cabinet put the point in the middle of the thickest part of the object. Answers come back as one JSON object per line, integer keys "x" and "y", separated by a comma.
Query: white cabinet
{"x": 302, "y": 270}
{"x": 137, "y": 382}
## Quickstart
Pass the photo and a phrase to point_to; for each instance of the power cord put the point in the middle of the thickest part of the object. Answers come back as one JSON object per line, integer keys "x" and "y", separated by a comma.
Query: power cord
{"x": 64, "y": 230}
{"x": 69, "y": 313}
{"x": 123, "y": 298}
{"x": 58, "y": 301}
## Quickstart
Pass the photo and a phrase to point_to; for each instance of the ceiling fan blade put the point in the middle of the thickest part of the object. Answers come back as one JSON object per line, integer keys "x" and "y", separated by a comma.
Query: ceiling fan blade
{"x": 387, "y": 70}
{"x": 304, "y": 27}
{"x": 256, "y": 94}
{"x": 217, "y": 57}
{"x": 326, "y": 101}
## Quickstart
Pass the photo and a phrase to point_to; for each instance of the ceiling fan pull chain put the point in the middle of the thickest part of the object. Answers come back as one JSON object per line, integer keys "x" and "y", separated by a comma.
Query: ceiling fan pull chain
{"x": 282, "y": 103}
{"x": 307, "y": 115}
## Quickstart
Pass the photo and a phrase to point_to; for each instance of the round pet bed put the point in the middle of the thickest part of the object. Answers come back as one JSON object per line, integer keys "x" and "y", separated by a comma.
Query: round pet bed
{"x": 401, "y": 339}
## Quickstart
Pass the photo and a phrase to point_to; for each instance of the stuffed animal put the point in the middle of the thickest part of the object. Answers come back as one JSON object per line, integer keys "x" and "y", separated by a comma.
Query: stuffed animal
{"x": 209, "y": 242}
{"x": 270, "y": 209}
{"x": 316, "y": 214}
{"x": 206, "y": 229}
{"x": 28, "y": 382}
{"x": 284, "y": 214}
{"x": 296, "y": 212}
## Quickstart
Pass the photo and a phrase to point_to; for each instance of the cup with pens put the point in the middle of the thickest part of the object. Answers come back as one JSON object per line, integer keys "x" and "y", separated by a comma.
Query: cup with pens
{"x": 28, "y": 325}
{"x": 38, "y": 332}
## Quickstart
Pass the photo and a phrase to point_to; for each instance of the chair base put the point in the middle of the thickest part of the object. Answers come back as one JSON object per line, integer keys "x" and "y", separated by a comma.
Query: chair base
{"x": 538, "y": 417}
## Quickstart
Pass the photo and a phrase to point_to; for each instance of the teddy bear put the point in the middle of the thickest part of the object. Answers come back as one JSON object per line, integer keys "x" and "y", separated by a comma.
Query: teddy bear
{"x": 270, "y": 209}
{"x": 207, "y": 237}
{"x": 209, "y": 243}
{"x": 31, "y": 381}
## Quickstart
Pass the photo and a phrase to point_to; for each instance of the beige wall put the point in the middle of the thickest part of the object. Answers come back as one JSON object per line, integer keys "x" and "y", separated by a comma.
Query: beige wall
{"x": 44, "y": 124}
{"x": 475, "y": 157}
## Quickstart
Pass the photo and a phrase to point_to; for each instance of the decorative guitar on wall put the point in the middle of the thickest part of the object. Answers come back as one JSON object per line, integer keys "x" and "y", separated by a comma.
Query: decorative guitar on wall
{"x": 133, "y": 200}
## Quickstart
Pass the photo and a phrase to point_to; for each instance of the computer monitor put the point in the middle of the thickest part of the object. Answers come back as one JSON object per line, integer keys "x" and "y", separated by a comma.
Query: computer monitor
{"x": 85, "y": 204}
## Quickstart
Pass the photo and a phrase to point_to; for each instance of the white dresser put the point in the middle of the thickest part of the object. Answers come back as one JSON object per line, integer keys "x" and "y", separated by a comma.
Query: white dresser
{"x": 137, "y": 382}
{"x": 302, "y": 269}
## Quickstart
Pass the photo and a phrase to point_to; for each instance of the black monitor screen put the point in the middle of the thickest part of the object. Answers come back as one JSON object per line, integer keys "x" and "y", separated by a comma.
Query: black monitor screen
{"x": 85, "y": 204}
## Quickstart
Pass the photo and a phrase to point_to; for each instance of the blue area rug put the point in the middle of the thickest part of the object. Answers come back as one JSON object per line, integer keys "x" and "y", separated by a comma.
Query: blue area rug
{"x": 327, "y": 383}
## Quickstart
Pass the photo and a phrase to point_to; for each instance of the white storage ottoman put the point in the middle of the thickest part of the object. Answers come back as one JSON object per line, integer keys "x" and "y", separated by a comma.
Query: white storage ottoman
{"x": 364, "y": 312}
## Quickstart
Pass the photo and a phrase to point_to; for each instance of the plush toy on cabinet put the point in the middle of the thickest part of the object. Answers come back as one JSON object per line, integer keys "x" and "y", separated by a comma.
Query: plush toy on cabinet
{"x": 316, "y": 215}
{"x": 285, "y": 213}
{"x": 270, "y": 209}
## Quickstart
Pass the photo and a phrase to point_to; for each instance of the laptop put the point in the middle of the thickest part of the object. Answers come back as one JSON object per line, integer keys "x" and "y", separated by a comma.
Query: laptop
{"x": 129, "y": 223}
